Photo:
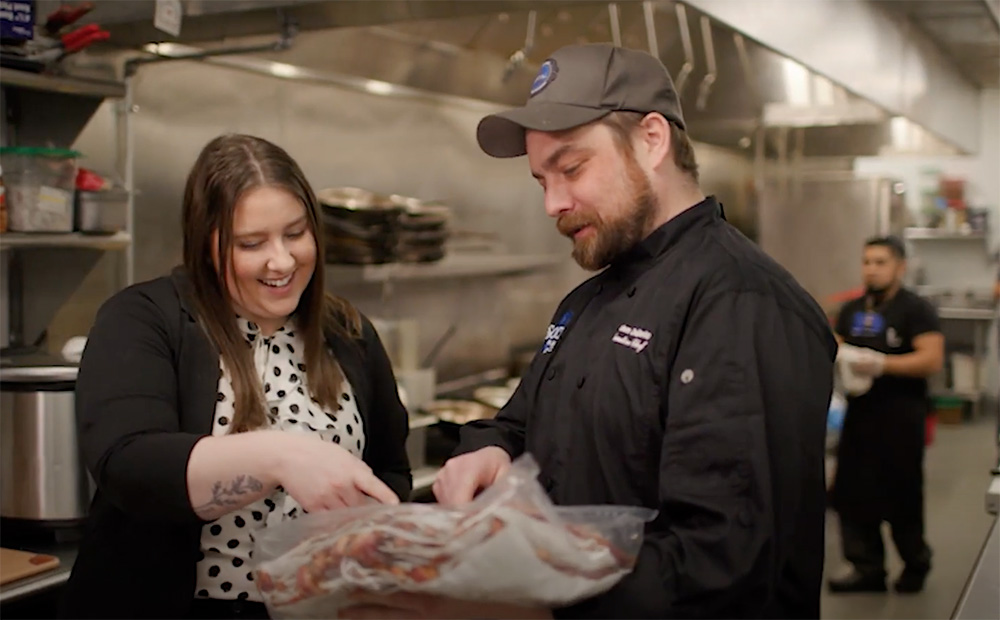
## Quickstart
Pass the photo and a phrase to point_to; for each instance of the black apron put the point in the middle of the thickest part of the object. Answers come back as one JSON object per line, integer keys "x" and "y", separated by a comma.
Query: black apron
{"x": 880, "y": 457}
{"x": 881, "y": 450}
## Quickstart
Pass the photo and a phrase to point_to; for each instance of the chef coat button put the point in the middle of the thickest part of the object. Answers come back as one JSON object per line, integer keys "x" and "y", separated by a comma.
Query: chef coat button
{"x": 631, "y": 292}
{"x": 687, "y": 376}
{"x": 581, "y": 381}
{"x": 552, "y": 374}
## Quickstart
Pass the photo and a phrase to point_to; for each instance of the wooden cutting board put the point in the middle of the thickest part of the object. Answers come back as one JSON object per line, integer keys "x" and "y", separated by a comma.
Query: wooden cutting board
{"x": 16, "y": 564}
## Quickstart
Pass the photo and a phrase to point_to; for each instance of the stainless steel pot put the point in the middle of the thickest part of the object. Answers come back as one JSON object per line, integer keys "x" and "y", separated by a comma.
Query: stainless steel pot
{"x": 102, "y": 212}
{"x": 42, "y": 479}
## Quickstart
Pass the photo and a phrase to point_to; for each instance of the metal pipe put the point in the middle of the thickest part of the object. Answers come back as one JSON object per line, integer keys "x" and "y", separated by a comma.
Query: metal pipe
{"x": 688, "y": 66}
{"x": 709, "y": 79}
{"x": 616, "y": 28}
{"x": 748, "y": 72}
{"x": 647, "y": 11}
{"x": 288, "y": 31}
{"x": 517, "y": 58}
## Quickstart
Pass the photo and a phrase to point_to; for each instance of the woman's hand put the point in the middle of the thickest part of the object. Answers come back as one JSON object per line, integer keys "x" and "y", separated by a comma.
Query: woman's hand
{"x": 321, "y": 475}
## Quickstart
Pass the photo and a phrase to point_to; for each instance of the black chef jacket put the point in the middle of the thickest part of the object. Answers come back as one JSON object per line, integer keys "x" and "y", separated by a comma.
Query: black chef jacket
{"x": 692, "y": 376}
{"x": 880, "y": 455}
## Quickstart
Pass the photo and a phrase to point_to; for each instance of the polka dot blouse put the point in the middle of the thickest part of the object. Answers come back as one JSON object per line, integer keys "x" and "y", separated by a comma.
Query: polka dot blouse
{"x": 223, "y": 570}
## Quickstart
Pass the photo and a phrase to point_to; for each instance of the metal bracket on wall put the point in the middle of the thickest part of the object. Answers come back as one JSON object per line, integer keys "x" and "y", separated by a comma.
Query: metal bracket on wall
{"x": 289, "y": 28}
{"x": 517, "y": 58}
{"x": 616, "y": 28}
{"x": 712, "y": 71}
{"x": 647, "y": 11}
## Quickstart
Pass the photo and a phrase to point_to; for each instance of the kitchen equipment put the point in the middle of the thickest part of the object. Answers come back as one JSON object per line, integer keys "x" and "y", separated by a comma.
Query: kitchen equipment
{"x": 42, "y": 481}
{"x": 420, "y": 385}
{"x": 40, "y": 183}
{"x": 459, "y": 411}
{"x": 493, "y": 395}
{"x": 423, "y": 230}
{"x": 102, "y": 212}
{"x": 360, "y": 226}
{"x": 65, "y": 15}
{"x": 16, "y": 564}
{"x": 401, "y": 338}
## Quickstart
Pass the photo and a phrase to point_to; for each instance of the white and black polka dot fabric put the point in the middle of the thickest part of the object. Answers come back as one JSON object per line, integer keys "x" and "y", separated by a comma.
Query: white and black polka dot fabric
{"x": 223, "y": 570}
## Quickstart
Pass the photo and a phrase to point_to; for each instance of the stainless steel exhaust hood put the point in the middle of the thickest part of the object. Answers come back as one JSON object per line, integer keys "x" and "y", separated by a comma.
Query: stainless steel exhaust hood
{"x": 736, "y": 92}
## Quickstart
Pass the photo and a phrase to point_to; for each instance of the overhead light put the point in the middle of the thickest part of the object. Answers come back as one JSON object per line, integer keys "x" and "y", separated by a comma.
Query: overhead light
{"x": 378, "y": 87}
{"x": 796, "y": 81}
{"x": 166, "y": 49}
{"x": 284, "y": 70}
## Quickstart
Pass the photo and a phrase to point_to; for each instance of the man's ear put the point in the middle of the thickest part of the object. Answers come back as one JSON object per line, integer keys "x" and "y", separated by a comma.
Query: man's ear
{"x": 653, "y": 136}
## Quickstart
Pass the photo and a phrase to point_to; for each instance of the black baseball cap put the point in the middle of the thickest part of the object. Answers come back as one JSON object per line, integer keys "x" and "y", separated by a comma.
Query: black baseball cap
{"x": 577, "y": 85}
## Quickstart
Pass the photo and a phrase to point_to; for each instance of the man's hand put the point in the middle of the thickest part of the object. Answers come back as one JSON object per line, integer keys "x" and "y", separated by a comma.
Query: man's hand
{"x": 370, "y": 606}
{"x": 464, "y": 476}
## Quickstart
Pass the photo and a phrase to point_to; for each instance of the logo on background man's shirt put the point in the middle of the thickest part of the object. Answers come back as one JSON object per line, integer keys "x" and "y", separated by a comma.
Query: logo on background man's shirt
{"x": 634, "y": 338}
{"x": 867, "y": 324}
{"x": 555, "y": 331}
{"x": 893, "y": 339}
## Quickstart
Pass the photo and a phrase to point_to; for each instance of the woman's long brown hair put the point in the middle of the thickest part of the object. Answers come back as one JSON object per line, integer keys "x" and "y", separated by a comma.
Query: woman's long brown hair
{"x": 227, "y": 168}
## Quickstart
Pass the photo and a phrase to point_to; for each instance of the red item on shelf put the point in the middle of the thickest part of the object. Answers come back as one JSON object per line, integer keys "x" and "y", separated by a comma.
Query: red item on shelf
{"x": 90, "y": 181}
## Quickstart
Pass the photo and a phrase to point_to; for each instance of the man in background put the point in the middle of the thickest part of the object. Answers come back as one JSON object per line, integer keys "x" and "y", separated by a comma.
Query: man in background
{"x": 881, "y": 452}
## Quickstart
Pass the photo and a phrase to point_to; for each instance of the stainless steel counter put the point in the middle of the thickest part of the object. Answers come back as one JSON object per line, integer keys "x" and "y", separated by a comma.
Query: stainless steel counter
{"x": 981, "y": 598}
{"x": 22, "y": 588}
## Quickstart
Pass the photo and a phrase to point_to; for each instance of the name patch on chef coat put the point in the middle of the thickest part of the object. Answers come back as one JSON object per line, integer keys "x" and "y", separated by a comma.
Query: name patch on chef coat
{"x": 635, "y": 338}
{"x": 554, "y": 332}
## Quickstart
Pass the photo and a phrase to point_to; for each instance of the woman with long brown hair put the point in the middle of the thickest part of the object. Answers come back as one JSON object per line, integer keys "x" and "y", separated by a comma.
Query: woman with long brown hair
{"x": 230, "y": 396}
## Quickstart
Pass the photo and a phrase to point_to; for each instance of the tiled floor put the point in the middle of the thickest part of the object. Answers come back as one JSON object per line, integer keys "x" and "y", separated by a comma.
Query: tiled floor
{"x": 957, "y": 475}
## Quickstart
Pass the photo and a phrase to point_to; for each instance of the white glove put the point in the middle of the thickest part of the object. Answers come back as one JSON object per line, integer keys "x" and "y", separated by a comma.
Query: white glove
{"x": 854, "y": 383}
{"x": 870, "y": 363}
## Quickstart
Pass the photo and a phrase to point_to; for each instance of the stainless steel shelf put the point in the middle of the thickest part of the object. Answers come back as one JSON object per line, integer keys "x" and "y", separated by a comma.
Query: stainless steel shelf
{"x": 117, "y": 241}
{"x": 451, "y": 266}
{"x": 967, "y": 314}
{"x": 967, "y": 396}
{"x": 939, "y": 234}
{"x": 66, "y": 85}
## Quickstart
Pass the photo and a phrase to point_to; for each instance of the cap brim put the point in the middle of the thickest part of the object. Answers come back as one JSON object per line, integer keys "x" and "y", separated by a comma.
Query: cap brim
{"x": 502, "y": 135}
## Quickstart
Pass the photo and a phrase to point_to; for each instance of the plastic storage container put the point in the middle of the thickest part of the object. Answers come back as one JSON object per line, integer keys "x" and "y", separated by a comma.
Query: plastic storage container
{"x": 40, "y": 184}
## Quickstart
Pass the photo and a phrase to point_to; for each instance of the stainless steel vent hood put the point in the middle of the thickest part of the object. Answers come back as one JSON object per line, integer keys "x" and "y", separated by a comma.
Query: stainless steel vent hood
{"x": 737, "y": 93}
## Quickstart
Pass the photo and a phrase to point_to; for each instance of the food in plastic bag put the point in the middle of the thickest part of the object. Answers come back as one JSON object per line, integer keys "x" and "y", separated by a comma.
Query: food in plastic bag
{"x": 510, "y": 545}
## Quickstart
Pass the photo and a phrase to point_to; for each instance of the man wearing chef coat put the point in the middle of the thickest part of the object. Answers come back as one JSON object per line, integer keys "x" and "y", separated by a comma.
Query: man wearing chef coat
{"x": 691, "y": 374}
{"x": 881, "y": 449}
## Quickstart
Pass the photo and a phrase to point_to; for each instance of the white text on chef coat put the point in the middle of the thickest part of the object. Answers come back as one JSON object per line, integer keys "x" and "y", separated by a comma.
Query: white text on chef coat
{"x": 634, "y": 338}
{"x": 552, "y": 335}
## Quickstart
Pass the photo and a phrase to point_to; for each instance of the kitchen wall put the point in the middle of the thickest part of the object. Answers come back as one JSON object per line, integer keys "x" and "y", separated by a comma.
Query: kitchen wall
{"x": 423, "y": 147}
{"x": 962, "y": 264}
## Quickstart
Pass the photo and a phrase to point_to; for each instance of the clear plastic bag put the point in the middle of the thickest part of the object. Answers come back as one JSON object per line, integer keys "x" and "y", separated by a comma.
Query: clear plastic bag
{"x": 510, "y": 545}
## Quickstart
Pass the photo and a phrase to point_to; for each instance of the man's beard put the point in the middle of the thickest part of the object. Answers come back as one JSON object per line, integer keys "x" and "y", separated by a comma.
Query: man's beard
{"x": 612, "y": 238}
{"x": 877, "y": 293}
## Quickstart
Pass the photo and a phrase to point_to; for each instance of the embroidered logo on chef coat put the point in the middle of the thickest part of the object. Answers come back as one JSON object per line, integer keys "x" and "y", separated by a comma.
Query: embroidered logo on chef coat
{"x": 634, "y": 338}
{"x": 555, "y": 331}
